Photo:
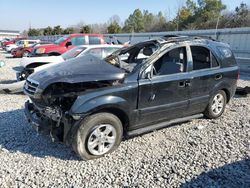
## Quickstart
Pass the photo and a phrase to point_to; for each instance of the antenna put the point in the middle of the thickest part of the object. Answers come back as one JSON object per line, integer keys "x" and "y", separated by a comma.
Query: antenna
{"x": 216, "y": 28}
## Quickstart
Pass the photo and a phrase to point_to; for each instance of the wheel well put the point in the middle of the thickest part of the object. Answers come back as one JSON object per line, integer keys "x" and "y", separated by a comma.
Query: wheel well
{"x": 119, "y": 113}
{"x": 34, "y": 65}
{"x": 227, "y": 94}
{"x": 54, "y": 54}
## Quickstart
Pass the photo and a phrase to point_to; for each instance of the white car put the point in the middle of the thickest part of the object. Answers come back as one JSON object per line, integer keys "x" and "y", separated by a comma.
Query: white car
{"x": 21, "y": 43}
{"x": 34, "y": 64}
{"x": 28, "y": 65}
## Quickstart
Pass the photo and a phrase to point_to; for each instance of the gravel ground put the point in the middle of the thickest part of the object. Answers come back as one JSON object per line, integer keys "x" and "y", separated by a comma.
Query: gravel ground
{"x": 200, "y": 153}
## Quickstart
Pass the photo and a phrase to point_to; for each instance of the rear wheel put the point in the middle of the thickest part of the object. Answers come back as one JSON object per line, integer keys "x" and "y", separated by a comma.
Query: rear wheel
{"x": 216, "y": 105}
{"x": 98, "y": 135}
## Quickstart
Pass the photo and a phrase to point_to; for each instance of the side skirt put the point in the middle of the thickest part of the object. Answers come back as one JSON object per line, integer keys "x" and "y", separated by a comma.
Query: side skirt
{"x": 154, "y": 127}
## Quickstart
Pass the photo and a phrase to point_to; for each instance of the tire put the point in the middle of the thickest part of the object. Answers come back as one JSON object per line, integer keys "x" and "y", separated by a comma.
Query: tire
{"x": 216, "y": 105}
{"x": 97, "y": 135}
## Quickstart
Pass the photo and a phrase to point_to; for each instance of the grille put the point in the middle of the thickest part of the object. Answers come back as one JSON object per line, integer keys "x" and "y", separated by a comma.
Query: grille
{"x": 30, "y": 87}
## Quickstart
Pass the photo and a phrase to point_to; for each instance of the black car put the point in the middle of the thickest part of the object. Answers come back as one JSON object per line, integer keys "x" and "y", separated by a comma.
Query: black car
{"x": 91, "y": 104}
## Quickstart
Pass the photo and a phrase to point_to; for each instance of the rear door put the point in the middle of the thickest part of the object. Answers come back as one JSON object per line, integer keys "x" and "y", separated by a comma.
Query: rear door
{"x": 205, "y": 73}
{"x": 94, "y": 40}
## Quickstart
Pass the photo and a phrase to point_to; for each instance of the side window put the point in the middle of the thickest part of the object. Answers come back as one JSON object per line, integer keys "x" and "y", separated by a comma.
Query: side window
{"x": 96, "y": 52}
{"x": 201, "y": 57}
{"x": 174, "y": 61}
{"x": 214, "y": 61}
{"x": 78, "y": 41}
{"x": 108, "y": 51}
{"x": 31, "y": 42}
{"x": 94, "y": 40}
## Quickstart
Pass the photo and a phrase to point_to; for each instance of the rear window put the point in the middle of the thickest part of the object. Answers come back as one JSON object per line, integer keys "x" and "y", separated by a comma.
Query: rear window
{"x": 94, "y": 40}
{"x": 74, "y": 52}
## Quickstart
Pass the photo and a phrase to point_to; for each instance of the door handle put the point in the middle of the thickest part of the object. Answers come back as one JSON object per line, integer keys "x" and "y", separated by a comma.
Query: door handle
{"x": 218, "y": 77}
{"x": 185, "y": 83}
{"x": 182, "y": 84}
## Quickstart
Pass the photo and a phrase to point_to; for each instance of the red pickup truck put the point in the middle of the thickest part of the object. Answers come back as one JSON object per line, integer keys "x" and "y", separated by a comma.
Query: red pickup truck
{"x": 67, "y": 42}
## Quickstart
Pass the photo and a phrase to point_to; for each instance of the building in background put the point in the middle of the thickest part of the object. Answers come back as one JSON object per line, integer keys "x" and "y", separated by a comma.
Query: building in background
{"x": 9, "y": 34}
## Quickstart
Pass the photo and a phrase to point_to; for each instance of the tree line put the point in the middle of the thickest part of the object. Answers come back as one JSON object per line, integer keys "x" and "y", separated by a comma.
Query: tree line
{"x": 203, "y": 14}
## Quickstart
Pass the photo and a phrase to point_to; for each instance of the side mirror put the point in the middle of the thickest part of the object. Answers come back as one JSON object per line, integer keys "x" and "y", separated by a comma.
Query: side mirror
{"x": 68, "y": 44}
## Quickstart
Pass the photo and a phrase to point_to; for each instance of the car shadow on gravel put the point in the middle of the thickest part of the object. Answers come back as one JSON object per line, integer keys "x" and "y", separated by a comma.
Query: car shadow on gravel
{"x": 232, "y": 175}
{"x": 17, "y": 136}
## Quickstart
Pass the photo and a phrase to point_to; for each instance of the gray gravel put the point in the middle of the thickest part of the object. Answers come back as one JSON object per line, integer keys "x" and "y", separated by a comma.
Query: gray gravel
{"x": 200, "y": 153}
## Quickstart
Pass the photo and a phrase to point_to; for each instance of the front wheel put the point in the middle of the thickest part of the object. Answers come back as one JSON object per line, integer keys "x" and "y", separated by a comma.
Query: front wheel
{"x": 98, "y": 135}
{"x": 216, "y": 105}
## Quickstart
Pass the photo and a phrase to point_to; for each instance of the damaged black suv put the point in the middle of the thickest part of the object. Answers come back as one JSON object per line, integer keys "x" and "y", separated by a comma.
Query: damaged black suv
{"x": 91, "y": 104}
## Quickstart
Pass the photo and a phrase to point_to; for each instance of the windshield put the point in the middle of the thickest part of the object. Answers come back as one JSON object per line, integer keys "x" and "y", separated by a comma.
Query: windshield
{"x": 73, "y": 53}
{"x": 60, "y": 40}
{"x": 129, "y": 58}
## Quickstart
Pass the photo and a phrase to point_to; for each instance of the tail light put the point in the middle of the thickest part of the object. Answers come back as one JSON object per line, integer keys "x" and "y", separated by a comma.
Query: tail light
{"x": 238, "y": 76}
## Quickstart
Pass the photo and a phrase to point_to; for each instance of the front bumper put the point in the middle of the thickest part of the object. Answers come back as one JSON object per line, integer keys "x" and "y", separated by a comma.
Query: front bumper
{"x": 46, "y": 122}
{"x": 32, "y": 116}
{"x": 23, "y": 75}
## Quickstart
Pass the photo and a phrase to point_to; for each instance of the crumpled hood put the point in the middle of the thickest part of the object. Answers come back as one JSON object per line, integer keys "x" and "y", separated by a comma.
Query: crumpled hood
{"x": 80, "y": 69}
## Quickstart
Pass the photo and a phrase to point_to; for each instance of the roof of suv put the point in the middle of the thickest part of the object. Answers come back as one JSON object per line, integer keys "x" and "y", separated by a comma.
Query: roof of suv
{"x": 176, "y": 38}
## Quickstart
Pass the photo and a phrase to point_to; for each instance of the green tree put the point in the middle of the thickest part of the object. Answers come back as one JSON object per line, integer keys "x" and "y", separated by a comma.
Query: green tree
{"x": 34, "y": 32}
{"x": 208, "y": 11}
{"x": 148, "y": 20}
{"x": 86, "y": 29}
{"x": 202, "y": 15}
{"x": 134, "y": 23}
{"x": 68, "y": 30}
{"x": 242, "y": 16}
{"x": 57, "y": 30}
{"x": 114, "y": 28}
{"x": 48, "y": 31}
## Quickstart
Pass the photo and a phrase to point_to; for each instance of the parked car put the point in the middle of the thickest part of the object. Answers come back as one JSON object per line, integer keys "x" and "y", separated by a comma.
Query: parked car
{"x": 2, "y": 41}
{"x": 66, "y": 43}
{"x": 34, "y": 64}
{"x": 29, "y": 65}
{"x": 25, "y": 51}
{"x": 21, "y": 43}
{"x": 12, "y": 41}
{"x": 96, "y": 103}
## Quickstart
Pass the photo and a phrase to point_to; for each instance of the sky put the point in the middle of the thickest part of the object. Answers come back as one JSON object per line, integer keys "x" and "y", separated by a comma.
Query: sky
{"x": 21, "y": 14}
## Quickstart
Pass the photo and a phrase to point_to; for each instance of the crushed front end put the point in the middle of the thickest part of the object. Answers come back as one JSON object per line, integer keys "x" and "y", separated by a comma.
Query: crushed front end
{"x": 48, "y": 111}
{"x": 48, "y": 114}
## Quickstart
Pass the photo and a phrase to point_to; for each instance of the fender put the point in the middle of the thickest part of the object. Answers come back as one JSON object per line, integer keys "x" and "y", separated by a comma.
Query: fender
{"x": 223, "y": 86}
{"x": 95, "y": 104}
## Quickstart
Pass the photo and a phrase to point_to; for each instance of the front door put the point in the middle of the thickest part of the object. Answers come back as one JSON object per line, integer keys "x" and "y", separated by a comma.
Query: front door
{"x": 165, "y": 95}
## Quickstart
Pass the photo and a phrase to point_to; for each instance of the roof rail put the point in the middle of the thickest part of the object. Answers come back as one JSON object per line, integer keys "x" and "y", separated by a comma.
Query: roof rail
{"x": 176, "y": 38}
